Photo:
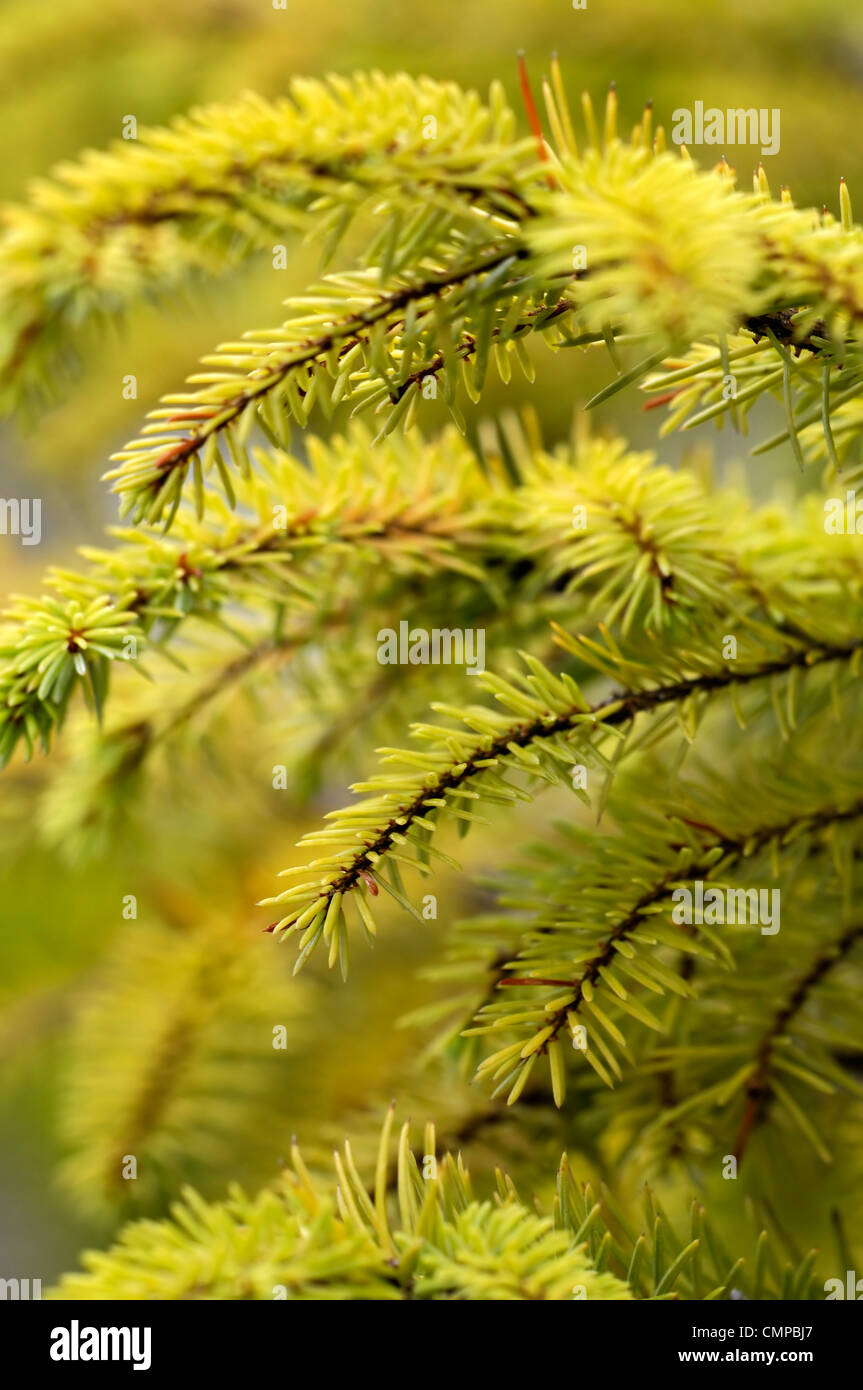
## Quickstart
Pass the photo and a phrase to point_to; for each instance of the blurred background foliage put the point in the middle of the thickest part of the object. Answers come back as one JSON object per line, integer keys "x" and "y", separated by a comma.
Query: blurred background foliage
{"x": 198, "y": 854}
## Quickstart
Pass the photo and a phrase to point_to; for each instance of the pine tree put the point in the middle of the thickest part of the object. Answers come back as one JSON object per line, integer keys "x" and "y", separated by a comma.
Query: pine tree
{"x": 665, "y": 983}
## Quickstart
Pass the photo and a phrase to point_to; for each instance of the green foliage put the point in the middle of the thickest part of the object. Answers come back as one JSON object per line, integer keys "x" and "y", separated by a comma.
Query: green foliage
{"x": 220, "y": 185}
{"x": 297, "y": 535}
{"x": 307, "y": 1239}
{"x": 548, "y": 729}
{"x": 420, "y": 1233}
{"x": 155, "y": 1075}
{"x": 666, "y": 657}
{"x": 595, "y": 912}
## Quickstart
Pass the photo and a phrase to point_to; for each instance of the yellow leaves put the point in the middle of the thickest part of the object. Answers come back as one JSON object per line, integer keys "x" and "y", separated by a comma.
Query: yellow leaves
{"x": 537, "y": 1041}
{"x": 846, "y": 214}
{"x": 178, "y": 1032}
{"x": 218, "y": 186}
{"x": 522, "y": 1079}
{"x": 672, "y": 253}
{"x": 348, "y": 317}
{"x": 558, "y": 1071}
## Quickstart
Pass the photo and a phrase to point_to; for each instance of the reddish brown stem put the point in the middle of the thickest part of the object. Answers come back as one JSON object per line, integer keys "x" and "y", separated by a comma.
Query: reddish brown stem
{"x": 532, "y": 113}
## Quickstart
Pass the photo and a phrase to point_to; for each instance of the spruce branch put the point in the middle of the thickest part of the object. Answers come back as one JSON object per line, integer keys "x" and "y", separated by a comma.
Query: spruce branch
{"x": 203, "y": 196}
{"x": 263, "y": 579}
{"x": 654, "y": 550}
{"x": 168, "y": 1065}
{"x": 295, "y": 530}
{"x": 652, "y": 275}
{"x": 363, "y": 354}
{"x": 610, "y": 962}
{"x": 418, "y": 1232}
{"x": 342, "y": 1239}
{"x": 758, "y": 1086}
{"x": 557, "y": 729}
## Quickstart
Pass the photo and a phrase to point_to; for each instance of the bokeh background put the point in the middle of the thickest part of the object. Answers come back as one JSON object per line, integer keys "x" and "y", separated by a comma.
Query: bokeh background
{"x": 69, "y": 73}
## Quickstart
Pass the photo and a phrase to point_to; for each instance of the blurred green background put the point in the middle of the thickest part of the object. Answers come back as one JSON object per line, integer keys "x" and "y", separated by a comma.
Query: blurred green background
{"x": 69, "y": 73}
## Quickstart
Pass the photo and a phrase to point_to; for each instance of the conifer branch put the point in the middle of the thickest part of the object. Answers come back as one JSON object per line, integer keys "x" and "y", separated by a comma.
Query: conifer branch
{"x": 602, "y": 964}
{"x": 140, "y": 595}
{"x": 166, "y": 1065}
{"x": 651, "y": 550}
{"x": 420, "y": 1235}
{"x": 203, "y": 196}
{"x": 650, "y": 272}
{"x": 263, "y": 576}
{"x": 758, "y": 1091}
{"x": 398, "y": 822}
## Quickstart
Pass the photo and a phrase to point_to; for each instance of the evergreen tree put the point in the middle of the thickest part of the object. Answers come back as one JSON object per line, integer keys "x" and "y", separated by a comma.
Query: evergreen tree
{"x": 664, "y": 987}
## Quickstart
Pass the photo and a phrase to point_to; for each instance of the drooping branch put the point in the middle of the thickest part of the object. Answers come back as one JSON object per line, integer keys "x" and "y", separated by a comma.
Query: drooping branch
{"x": 203, "y": 196}
{"x": 758, "y": 1087}
{"x": 404, "y": 814}
{"x": 719, "y": 854}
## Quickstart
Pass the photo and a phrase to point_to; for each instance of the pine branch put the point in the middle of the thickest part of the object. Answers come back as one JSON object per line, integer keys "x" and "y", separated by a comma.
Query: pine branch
{"x": 422, "y": 1234}
{"x": 472, "y": 246}
{"x": 606, "y": 939}
{"x": 169, "y": 1065}
{"x": 339, "y": 1240}
{"x": 654, "y": 550}
{"x": 758, "y": 1090}
{"x": 203, "y": 196}
{"x": 558, "y": 728}
{"x": 650, "y": 273}
{"x": 363, "y": 354}
{"x": 309, "y": 523}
